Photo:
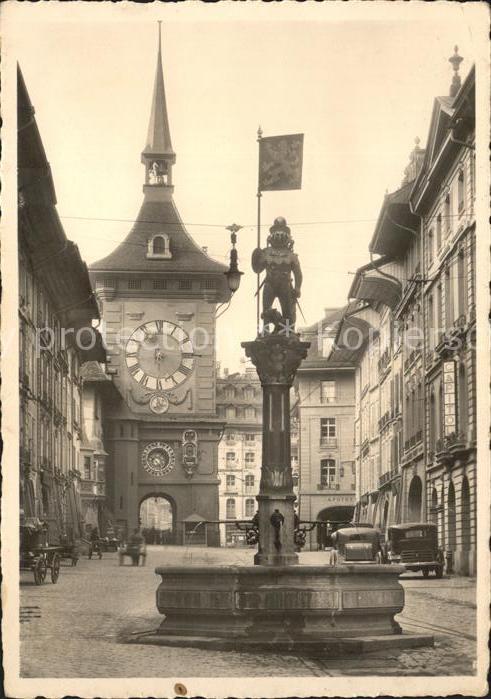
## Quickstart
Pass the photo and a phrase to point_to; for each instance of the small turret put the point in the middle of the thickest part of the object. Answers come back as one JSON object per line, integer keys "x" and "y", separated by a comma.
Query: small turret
{"x": 158, "y": 155}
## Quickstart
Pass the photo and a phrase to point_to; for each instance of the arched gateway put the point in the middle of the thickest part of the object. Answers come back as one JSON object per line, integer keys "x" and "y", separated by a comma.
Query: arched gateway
{"x": 157, "y": 519}
{"x": 335, "y": 517}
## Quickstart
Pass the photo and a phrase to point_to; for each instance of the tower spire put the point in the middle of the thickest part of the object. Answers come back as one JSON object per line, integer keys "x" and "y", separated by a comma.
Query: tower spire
{"x": 158, "y": 155}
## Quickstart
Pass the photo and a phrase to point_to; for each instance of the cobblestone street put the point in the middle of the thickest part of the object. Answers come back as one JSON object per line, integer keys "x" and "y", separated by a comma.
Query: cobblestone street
{"x": 73, "y": 628}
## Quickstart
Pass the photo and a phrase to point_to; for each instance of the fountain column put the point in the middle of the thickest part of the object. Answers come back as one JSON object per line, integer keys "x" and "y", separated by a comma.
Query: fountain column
{"x": 276, "y": 358}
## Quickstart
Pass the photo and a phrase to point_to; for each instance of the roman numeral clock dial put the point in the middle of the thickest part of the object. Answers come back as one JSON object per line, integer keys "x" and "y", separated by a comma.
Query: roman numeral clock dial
{"x": 159, "y": 355}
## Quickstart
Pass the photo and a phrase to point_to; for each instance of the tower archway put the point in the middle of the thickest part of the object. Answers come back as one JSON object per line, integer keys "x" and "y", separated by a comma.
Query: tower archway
{"x": 156, "y": 516}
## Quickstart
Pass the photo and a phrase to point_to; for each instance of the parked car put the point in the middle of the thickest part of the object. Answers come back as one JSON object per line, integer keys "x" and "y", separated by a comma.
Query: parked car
{"x": 415, "y": 546}
{"x": 357, "y": 544}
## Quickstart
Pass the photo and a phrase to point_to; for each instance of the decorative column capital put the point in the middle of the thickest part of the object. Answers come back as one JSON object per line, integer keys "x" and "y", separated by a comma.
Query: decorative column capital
{"x": 276, "y": 357}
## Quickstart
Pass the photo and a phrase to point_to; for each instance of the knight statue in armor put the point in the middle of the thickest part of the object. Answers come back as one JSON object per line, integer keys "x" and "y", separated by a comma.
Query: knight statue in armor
{"x": 280, "y": 262}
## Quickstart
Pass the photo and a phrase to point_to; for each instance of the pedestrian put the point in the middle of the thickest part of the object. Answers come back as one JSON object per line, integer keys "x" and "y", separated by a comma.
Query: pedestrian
{"x": 135, "y": 545}
{"x": 93, "y": 541}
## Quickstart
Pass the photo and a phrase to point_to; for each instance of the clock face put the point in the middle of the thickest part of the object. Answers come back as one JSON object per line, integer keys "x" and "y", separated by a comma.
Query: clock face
{"x": 158, "y": 458}
{"x": 159, "y": 355}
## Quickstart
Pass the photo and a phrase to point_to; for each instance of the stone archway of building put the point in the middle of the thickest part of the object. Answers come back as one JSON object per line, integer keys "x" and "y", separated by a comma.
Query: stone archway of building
{"x": 451, "y": 518}
{"x": 414, "y": 499}
{"x": 337, "y": 515}
{"x": 156, "y": 515}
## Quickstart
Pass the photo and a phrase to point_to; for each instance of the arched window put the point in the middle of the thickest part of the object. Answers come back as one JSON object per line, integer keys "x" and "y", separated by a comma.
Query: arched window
{"x": 230, "y": 507}
{"x": 448, "y": 214}
{"x": 460, "y": 191}
{"x": 158, "y": 247}
{"x": 249, "y": 507}
{"x": 430, "y": 247}
{"x": 438, "y": 232}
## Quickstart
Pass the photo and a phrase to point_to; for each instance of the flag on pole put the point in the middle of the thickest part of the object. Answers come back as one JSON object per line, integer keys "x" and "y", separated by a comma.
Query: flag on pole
{"x": 280, "y": 162}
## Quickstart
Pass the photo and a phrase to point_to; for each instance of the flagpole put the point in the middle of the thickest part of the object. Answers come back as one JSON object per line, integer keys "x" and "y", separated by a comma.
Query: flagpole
{"x": 259, "y": 195}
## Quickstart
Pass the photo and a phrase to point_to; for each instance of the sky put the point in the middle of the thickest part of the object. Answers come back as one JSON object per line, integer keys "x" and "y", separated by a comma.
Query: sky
{"x": 361, "y": 90}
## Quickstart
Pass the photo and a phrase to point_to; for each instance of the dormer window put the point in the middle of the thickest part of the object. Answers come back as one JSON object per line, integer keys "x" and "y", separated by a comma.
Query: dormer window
{"x": 158, "y": 247}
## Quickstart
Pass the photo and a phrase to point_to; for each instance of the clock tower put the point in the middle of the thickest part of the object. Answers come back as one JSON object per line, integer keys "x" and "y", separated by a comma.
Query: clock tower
{"x": 157, "y": 293}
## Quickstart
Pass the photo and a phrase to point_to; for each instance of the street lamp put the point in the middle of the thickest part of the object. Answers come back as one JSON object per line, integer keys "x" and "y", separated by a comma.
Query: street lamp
{"x": 233, "y": 274}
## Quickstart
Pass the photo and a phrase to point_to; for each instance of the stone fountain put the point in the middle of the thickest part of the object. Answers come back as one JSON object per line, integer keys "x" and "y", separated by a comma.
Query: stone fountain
{"x": 278, "y": 602}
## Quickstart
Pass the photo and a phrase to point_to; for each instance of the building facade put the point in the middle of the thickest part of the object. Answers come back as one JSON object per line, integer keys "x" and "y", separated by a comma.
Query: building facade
{"x": 239, "y": 403}
{"x": 415, "y": 381}
{"x": 56, "y": 310}
{"x": 98, "y": 391}
{"x": 157, "y": 294}
{"x": 444, "y": 198}
{"x": 324, "y": 409}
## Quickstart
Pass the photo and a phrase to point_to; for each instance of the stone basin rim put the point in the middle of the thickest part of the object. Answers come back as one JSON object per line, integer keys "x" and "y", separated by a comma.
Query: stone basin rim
{"x": 301, "y": 570}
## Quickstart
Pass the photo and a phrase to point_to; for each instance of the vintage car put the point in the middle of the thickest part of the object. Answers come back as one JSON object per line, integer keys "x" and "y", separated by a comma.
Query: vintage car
{"x": 415, "y": 546}
{"x": 357, "y": 544}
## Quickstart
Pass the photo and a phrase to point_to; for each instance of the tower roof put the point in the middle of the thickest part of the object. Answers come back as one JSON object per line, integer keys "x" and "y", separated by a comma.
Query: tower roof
{"x": 158, "y": 137}
{"x": 158, "y": 216}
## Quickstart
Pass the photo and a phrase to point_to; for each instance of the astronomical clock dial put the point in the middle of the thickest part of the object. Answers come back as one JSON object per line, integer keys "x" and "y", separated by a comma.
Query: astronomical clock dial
{"x": 159, "y": 355}
{"x": 158, "y": 458}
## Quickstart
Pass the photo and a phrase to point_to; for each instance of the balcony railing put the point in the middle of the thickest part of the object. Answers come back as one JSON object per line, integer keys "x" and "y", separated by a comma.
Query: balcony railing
{"x": 328, "y": 486}
{"x": 384, "y": 478}
{"x": 331, "y": 442}
{"x": 414, "y": 354}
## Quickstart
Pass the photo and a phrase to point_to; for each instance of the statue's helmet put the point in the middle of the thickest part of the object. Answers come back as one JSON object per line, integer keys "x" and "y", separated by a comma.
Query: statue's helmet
{"x": 279, "y": 232}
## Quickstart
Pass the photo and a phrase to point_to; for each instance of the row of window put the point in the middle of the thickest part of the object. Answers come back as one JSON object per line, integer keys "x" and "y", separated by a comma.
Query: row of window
{"x": 444, "y": 220}
{"x": 249, "y": 481}
{"x": 230, "y": 506}
{"x": 250, "y": 457}
{"x": 248, "y": 437}
{"x": 182, "y": 284}
{"x": 246, "y": 393}
{"x": 330, "y": 473}
{"x": 236, "y": 412}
